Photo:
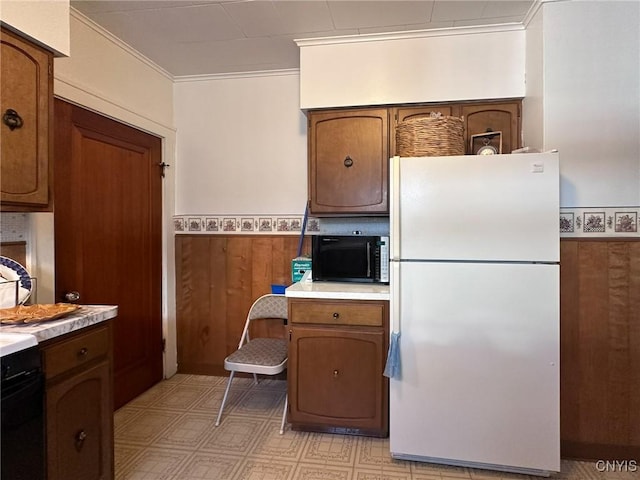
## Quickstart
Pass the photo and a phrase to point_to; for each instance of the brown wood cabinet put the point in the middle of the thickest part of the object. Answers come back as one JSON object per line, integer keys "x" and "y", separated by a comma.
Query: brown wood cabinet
{"x": 493, "y": 117}
{"x": 79, "y": 404}
{"x": 337, "y": 352}
{"x": 348, "y": 161}
{"x": 26, "y": 106}
{"x": 349, "y": 149}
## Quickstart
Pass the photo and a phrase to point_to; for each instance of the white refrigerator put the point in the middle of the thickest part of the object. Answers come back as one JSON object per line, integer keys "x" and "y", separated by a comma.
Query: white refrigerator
{"x": 475, "y": 309}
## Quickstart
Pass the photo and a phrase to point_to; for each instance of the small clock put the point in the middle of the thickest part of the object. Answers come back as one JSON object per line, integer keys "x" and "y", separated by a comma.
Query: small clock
{"x": 487, "y": 143}
{"x": 487, "y": 150}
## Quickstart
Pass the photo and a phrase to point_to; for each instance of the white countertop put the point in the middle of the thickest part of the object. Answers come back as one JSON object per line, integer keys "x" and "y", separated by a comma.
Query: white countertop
{"x": 338, "y": 290}
{"x": 17, "y": 337}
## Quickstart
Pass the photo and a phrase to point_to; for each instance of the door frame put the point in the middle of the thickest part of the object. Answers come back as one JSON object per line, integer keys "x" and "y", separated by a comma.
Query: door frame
{"x": 41, "y": 251}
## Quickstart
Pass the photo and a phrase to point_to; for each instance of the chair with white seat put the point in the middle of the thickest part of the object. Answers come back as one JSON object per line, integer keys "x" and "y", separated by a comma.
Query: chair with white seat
{"x": 260, "y": 356}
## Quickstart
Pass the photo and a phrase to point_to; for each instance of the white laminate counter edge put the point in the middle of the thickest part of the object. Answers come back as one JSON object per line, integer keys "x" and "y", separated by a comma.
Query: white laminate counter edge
{"x": 85, "y": 316}
{"x": 338, "y": 290}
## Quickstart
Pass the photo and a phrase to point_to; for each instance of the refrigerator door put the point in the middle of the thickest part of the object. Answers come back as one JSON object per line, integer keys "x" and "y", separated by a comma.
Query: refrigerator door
{"x": 479, "y": 352}
{"x": 474, "y": 207}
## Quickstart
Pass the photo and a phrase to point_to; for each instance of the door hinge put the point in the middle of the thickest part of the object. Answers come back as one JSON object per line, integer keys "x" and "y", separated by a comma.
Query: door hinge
{"x": 289, "y": 335}
{"x": 164, "y": 345}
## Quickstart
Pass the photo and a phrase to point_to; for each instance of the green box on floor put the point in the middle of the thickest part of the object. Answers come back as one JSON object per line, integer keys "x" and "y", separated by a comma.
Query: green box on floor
{"x": 299, "y": 265}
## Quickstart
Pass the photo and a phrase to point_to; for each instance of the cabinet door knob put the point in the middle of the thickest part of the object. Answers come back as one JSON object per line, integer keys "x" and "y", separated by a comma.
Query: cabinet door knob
{"x": 12, "y": 120}
{"x": 83, "y": 352}
{"x": 348, "y": 161}
{"x": 336, "y": 373}
{"x": 336, "y": 315}
{"x": 80, "y": 438}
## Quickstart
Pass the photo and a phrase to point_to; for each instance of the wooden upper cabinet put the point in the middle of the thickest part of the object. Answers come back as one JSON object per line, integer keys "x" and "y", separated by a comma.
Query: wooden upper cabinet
{"x": 25, "y": 106}
{"x": 400, "y": 114}
{"x": 348, "y": 161}
{"x": 496, "y": 117}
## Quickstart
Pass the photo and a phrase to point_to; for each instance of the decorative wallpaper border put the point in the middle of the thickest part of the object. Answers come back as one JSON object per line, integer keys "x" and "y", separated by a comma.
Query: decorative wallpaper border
{"x": 590, "y": 222}
{"x": 599, "y": 222}
{"x": 243, "y": 224}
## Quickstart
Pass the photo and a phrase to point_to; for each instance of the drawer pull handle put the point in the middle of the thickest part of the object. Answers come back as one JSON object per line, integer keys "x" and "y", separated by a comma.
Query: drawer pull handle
{"x": 348, "y": 161}
{"x": 83, "y": 352}
{"x": 336, "y": 373}
{"x": 80, "y": 438}
{"x": 336, "y": 315}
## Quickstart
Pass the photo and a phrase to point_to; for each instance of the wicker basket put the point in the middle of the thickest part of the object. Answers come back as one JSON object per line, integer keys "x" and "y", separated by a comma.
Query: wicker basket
{"x": 430, "y": 137}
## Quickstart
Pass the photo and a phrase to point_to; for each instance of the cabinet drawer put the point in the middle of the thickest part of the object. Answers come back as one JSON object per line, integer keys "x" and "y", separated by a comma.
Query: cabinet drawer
{"x": 337, "y": 312}
{"x": 76, "y": 351}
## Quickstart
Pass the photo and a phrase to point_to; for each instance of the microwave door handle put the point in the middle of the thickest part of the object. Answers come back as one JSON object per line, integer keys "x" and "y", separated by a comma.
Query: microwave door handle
{"x": 368, "y": 259}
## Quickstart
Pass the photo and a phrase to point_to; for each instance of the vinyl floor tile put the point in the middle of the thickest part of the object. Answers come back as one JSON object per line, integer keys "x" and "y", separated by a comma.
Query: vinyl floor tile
{"x": 153, "y": 464}
{"x": 330, "y": 449}
{"x": 209, "y": 466}
{"x": 361, "y": 474}
{"x": 271, "y": 444}
{"x": 169, "y": 433}
{"x": 306, "y": 471}
{"x": 182, "y": 397}
{"x": 257, "y": 469}
{"x": 146, "y": 427}
{"x": 235, "y": 435}
{"x": 373, "y": 453}
{"x": 213, "y": 399}
{"x": 188, "y": 433}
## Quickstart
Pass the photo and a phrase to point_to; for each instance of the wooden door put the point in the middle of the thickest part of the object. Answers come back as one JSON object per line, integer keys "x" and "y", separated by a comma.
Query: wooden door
{"x": 348, "y": 161}
{"x": 108, "y": 222}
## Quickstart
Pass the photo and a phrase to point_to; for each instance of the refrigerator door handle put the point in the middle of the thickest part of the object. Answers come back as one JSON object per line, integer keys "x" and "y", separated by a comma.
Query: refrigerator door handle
{"x": 394, "y": 297}
{"x": 394, "y": 211}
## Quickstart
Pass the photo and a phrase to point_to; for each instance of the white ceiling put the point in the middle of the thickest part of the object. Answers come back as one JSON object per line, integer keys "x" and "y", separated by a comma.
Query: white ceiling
{"x": 200, "y": 37}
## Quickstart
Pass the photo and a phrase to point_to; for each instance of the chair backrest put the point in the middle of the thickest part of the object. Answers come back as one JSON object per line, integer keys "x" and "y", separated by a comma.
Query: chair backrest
{"x": 270, "y": 305}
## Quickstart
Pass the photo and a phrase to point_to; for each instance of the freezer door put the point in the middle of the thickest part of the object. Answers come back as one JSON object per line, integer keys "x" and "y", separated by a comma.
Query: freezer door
{"x": 474, "y": 207}
{"x": 479, "y": 353}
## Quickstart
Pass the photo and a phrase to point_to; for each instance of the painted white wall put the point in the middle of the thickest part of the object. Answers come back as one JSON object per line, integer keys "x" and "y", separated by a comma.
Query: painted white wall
{"x": 43, "y": 21}
{"x": 432, "y": 66}
{"x": 533, "y": 103}
{"x": 591, "y": 66}
{"x": 242, "y": 144}
{"x": 105, "y": 76}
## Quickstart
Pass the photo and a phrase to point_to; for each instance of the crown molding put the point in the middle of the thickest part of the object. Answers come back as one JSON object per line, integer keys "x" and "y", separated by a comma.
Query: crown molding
{"x": 234, "y": 75}
{"x": 435, "y": 32}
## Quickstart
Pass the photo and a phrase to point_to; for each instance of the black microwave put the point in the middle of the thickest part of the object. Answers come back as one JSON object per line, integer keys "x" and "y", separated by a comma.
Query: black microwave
{"x": 350, "y": 258}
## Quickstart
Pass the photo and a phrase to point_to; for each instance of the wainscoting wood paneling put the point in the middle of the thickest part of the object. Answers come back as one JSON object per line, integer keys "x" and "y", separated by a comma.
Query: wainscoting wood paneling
{"x": 600, "y": 349}
{"x": 217, "y": 279}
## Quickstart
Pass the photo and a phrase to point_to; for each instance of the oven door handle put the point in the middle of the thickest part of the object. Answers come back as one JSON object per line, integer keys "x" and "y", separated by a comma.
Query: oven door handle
{"x": 24, "y": 389}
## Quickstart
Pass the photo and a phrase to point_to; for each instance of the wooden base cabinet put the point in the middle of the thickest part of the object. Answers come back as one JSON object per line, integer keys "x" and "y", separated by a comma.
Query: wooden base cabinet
{"x": 337, "y": 354}
{"x": 79, "y": 405}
